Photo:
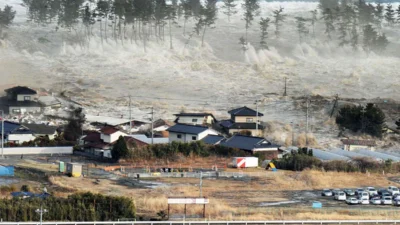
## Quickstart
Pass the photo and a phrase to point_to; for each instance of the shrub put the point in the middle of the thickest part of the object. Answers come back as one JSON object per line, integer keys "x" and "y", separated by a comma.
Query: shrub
{"x": 26, "y": 188}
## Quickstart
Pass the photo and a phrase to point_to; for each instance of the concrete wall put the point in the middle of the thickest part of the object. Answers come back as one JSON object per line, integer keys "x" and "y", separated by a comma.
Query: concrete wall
{"x": 24, "y": 109}
{"x": 189, "y": 137}
{"x": 355, "y": 147}
{"x": 38, "y": 150}
{"x": 111, "y": 138}
{"x": 20, "y": 138}
{"x": 21, "y": 98}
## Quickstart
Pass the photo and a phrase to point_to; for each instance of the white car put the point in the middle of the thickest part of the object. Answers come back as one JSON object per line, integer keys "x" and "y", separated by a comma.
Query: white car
{"x": 363, "y": 194}
{"x": 326, "y": 192}
{"x": 372, "y": 191}
{"x": 375, "y": 201}
{"x": 335, "y": 191}
{"x": 396, "y": 202}
{"x": 352, "y": 201}
{"x": 359, "y": 190}
{"x": 341, "y": 196}
{"x": 363, "y": 201}
{"x": 393, "y": 190}
{"x": 387, "y": 201}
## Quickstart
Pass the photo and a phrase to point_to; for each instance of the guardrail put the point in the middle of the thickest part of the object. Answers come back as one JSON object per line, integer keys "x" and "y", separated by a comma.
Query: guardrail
{"x": 283, "y": 222}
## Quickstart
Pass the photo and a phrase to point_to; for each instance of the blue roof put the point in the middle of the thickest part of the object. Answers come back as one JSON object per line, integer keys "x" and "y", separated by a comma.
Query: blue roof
{"x": 213, "y": 139}
{"x": 187, "y": 129}
{"x": 248, "y": 143}
{"x": 244, "y": 111}
{"x": 10, "y": 127}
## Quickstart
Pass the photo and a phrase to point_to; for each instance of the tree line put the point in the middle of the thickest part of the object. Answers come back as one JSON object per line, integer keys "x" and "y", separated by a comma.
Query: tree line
{"x": 347, "y": 23}
{"x": 77, "y": 207}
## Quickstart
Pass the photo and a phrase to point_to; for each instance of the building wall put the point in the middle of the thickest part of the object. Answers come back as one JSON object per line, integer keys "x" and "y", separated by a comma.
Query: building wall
{"x": 21, "y": 98}
{"x": 189, "y": 120}
{"x": 51, "y": 136}
{"x": 38, "y": 150}
{"x": 188, "y": 137}
{"x": 23, "y": 110}
{"x": 355, "y": 147}
{"x": 253, "y": 132}
{"x": 243, "y": 119}
{"x": 20, "y": 138}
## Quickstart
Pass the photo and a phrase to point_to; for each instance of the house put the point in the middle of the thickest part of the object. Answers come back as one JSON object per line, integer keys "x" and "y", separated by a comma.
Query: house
{"x": 253, "y": 145}
{"x": 206, "y": 119}
{"x": 49, "y": 102}
{"x": 101, "y": 143}
{"x": 243, "y": 120}
{"x": 161, "y": 125}
{"x": 189, "y": 133}
{"x": 41, "y": 130}
{"x": 213, "y": 139}
{"x": 15, "y": 133}
{"x": 353, "y": 144}
{"x": 21, "y": 100}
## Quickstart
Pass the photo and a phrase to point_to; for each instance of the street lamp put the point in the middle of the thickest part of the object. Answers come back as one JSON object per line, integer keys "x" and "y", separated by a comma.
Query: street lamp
{"x": 41, "y": 211}
{"x": 2, "y": 133}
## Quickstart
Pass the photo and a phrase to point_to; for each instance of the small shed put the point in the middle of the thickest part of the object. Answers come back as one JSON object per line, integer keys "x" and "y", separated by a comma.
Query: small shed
{"x": 61, "y": 167}
{"x": 74, "y": 169}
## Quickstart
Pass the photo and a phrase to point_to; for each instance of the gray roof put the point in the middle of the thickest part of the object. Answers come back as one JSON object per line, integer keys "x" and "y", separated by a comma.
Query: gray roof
{"x": 244, "y": 111}
{"x": 248, "y": 143}
{"x": 213, "y": 139}
{"x": 21, "y": 90}
{"x": 187, "y": 129}
{"x": 40, "y": 128}
{"x": 145, "y": 139}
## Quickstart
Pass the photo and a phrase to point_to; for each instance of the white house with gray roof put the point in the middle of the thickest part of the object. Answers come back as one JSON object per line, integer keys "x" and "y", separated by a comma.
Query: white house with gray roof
{"x": 189, "y": 133}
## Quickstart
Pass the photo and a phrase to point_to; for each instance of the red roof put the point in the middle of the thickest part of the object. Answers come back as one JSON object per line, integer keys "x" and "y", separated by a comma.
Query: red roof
{"x": 108, "y": 130}
{"x": 359, "y": 142}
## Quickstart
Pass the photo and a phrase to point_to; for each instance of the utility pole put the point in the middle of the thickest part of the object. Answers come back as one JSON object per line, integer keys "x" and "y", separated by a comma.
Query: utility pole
{"x": 2, "y": 133}
{"x": 308, "y": 106}
{"x": 335, "y": 104}
{"x": 152, "y": 125}
{"x": 285, "y": 93}
{"x": 130, "y": 115}
{"x": 201, "y": 184}
{"x": 257, "y": 117}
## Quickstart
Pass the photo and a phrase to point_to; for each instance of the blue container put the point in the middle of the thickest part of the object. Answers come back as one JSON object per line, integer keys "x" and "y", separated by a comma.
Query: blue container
{"x": 317, "y": 205}
{"x": 6, "y": 171}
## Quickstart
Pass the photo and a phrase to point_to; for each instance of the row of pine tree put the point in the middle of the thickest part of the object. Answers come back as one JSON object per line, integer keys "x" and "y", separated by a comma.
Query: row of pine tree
{"x": 356, "y": 24}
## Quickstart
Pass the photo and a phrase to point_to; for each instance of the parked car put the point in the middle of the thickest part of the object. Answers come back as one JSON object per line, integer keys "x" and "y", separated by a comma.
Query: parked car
{"x": 359, "y": 190}
{"x": 335, "y": 192}
{"x": 386, "y": 193}
{"x": 381, "y": 191}
{"x": 363, "y": 194}
{"x": 396, "y": 202}
{"x": 375, "y": 201}
{"x": 393, "y": 190}
{"x": 387, "y": 200}
{"x": 396, "y": 197}
{"x": 363, "y": 201}
{"x": 352, "y": 201}
{"x": 349, "y": 192}
{"x": 326, "y": 192}
{"x": 341, "y": 196}
{"x": 371, "y": 191}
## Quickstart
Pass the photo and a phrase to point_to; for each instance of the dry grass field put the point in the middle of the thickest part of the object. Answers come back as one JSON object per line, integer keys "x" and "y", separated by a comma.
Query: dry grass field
{"x": 239, "y": 199}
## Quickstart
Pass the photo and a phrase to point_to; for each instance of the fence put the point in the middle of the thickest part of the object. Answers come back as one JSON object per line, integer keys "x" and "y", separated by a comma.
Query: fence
{"x": 38, "y": 150}
{"x": 204, "y": 174}
{"x": 283, "y": 222}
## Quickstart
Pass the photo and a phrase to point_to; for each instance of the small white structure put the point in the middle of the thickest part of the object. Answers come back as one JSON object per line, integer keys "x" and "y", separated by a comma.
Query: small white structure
{"x": 195, "y": 118}
{"x": 352, "y": 144}
{"x": 245, "y": 162}
{"x": 189, "y": 133}
{"x": 110, "y": 134}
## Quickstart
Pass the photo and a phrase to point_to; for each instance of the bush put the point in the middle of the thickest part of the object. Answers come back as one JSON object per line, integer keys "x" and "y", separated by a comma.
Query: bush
{"x": 26, "y": 188}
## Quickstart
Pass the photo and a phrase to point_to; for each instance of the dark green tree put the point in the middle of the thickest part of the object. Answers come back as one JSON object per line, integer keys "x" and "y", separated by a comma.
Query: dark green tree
{"x": 73, "y": 129}
{"x": 251, "y": 9}
{"x": 379, "y": 15}
{"x": 398, "y": 14}
{"x": 398, "y": 124}
{"x": 171, "y": 17}
{"x": 314, "y": 19}
{"x": 7, "y": 16}
{"x": 120, "y": 150}
{"x": 229, "y": 8}
{"x": 381, "y": 43}
{"x": 389, "y": 14}
{"x": 354, "y": 38}
{"x": 69, "y": 13}
{"x": 208, "y": 16}
{"x": 329, "y": 20}
{"x": 103, "y": 8}
{"x": 264, "y": 24}
{"x": 187, "y": 13}
{"x": 301, "y": 28}
{"x": 369, "y": 38}
{"x": 328, "y": 4}
{"x": 279, "y": 18}
{"x": 374, "y": 119}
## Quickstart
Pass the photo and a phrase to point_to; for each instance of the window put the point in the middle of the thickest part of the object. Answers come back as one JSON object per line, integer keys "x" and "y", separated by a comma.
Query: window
{"x": 194, "y": 138}
{"x": 194, "y": 120}
{"x": 179, "y": 136}
{"x": 16, "y": 110}
{"x": 27, "y": 98}
{"x": 249, "y": 120}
